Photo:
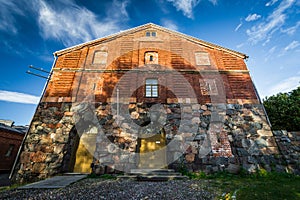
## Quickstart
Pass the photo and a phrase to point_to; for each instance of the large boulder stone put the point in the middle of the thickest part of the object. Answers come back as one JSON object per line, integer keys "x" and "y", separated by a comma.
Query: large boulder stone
{"x": 233, "y": 168}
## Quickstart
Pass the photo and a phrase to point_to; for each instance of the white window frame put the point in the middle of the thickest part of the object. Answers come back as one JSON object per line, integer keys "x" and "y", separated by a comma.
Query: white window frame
{"x": 151, "y": 34}
{"x": 100, "y": 59}
{"x": 208, "y": 87}
{"x": 151, "y": 87}
{"x": 202, "y": 58}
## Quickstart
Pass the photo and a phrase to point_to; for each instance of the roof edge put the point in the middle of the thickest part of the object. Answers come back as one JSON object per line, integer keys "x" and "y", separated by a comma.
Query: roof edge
{"x": 68, "y": 49}
{"x": 150, "y": 25}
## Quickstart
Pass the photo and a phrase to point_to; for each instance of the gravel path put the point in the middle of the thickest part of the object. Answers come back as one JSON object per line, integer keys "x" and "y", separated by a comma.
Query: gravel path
{"x": 114, "y": 189}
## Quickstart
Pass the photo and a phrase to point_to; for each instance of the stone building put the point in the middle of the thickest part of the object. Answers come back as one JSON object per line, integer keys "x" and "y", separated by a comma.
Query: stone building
{"x": 147, "y": 97}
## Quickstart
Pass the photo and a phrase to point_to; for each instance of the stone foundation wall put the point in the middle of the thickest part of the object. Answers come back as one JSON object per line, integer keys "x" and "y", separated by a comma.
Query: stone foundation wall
{"x": 205, "y": 138}
{"x": 44, "y": 149}
{"x": 239, "y": 136}
{"x": 289, "y": 146}
{"x": 199, "y": 137}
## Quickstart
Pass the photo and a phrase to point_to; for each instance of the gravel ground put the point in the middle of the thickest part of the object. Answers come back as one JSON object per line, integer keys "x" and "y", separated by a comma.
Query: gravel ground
{"x": 115, "y": 189}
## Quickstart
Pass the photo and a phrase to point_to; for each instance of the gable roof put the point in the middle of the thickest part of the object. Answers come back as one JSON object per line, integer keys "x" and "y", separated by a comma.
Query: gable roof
{"x": 146, "y": 26}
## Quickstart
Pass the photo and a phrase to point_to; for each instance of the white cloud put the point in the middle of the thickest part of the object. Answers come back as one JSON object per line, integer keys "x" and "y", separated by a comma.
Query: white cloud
{"x": 270, "y": 3}
{"x": 240, "y": 45}
{"x": 265, "y": 29}
{"x": 286, "y": 85}
{"x": 117, "y": 10}
{"x": 169, "y": 24}
{"x": 18, "y": 97}
{"x": 73, "y": 24}
{"x": 64, "y": 20}
{"x": 252, "y": 17}
{"x": 186, "y": 6}
{"x": 8, "y": 10}
{"x": 214, "y": 2}
{"x": 292, "y": 45}
{"x": 291, "y": 30}
{"x": 270, "y": 53}
{"x": 272, "y": 50}
{"x": 238, "y": 27}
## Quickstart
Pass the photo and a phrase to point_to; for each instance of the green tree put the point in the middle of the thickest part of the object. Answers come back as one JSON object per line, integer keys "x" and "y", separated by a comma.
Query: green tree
{"x": 283, "y": 110}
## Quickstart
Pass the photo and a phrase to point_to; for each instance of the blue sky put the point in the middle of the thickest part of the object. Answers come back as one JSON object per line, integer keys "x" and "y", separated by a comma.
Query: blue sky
{"x": 30, "y": 31}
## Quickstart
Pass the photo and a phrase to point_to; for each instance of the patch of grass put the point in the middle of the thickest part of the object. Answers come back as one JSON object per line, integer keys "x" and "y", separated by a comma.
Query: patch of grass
{"x": 4, "y": 188}
{"x": 13, "y": 186}
{"x": 260, "y": 185}
{"x": 271, "y": 186}
{"x": 270, "y": 190}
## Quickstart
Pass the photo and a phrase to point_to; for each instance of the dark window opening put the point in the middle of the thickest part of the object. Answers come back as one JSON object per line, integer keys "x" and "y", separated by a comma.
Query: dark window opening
{"x": 151, "y": 58}
{"x": 150, "y": 34}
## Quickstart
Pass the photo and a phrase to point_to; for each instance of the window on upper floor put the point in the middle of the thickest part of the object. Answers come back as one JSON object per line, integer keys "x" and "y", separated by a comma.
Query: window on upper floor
{"x": 100, "y": 57}
{"x": 151, "y": 87}
{"x": 150, "y": 34}
{"x": 151, "y": 57}
{"x": 202, "y": 58}
{"x": 208, "y": 87}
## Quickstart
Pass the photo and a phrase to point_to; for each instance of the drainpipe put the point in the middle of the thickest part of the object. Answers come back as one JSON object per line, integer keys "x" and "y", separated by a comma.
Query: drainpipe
{"x": 26, "y": 134}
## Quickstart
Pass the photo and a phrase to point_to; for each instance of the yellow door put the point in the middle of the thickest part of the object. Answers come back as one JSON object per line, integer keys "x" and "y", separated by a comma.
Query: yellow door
{"x": 152, "y": 151}
{"x": 85, "y": 153}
